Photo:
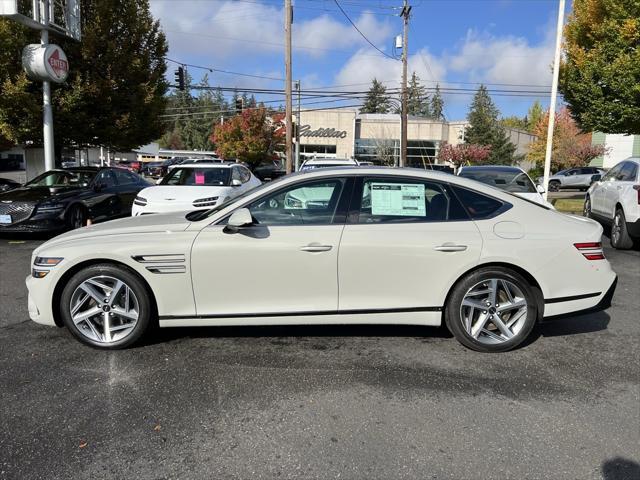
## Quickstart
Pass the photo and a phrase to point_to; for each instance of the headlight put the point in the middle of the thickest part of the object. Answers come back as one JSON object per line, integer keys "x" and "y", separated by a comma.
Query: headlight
{"x": 140, "y": 201}
{"x": 205, "y": 202}
{"x": 47, "y": 261}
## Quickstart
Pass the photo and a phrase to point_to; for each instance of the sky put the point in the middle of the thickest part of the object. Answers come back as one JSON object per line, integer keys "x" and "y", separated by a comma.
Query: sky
{"x": 506, "y": 44}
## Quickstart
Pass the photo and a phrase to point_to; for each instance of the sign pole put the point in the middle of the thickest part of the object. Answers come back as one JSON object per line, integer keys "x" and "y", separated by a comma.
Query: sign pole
{"x": 47, "y": 111}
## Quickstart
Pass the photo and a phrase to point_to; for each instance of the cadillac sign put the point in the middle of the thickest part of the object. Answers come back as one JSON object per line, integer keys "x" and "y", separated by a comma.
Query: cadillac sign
{"x": 305, "y": 131}
{"x": 45, "y": 62}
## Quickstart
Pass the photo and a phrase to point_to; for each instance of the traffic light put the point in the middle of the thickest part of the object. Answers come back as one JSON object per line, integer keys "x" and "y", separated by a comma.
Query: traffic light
{"x": 239, "y": 105}
{"x": 179, "y": 76}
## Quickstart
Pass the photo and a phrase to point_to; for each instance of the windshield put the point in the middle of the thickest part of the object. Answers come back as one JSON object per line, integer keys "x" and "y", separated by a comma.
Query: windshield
{"x": 197, "y": 176}
{"x": 510, "y": 181}
{"x": 68, "y": 178}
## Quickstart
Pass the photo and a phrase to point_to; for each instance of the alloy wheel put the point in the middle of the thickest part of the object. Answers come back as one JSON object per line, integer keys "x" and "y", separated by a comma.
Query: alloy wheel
{"x": 586, "y": 212}
{"x": 616, "y": 229}
{"x": 493, "y": 311}
{"x": 77, "y": 218}
{"x": 104, "y": 309}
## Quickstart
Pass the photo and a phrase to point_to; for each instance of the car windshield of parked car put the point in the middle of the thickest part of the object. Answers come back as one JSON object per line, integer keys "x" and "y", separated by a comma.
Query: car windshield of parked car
{"x": 509, "y": 181}
{"x": 58, "y": 179}
{"x": 206, "y": 177}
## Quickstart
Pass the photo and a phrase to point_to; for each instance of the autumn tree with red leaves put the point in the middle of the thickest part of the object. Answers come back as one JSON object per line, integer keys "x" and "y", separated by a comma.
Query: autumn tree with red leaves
{"x": 253, "y": 136}
{"x": 464, "y": 154}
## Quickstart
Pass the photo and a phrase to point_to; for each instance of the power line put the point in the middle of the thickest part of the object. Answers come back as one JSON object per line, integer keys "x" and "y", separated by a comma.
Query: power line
{"x": 362, "y": 34}
{"x": 211, "y": 69}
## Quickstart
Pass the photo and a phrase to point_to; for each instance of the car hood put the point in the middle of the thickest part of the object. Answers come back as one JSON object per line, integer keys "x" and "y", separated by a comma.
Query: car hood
{"x": 158, "y": 223}
{"x": 37, "y": 194}
{"x": 168, "y": 193}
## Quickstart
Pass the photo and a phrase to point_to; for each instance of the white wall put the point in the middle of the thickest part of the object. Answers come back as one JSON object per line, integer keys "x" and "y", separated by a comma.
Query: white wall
{"x": 620, "y": 148}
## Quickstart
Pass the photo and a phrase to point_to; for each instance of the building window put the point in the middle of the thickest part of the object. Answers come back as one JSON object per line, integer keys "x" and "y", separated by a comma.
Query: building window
{"x": 420, "y": 153}
{"x": 309, "y": 151}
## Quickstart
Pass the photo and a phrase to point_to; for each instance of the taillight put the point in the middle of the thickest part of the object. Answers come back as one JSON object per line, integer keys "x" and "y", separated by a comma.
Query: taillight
{"x": 590, "y": 250}
{"x": 637, "y": 189}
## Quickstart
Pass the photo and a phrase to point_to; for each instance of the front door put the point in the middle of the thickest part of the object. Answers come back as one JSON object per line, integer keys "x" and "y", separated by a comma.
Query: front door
{"x": 407, "y": 243}
{"x": 285, "y": 263}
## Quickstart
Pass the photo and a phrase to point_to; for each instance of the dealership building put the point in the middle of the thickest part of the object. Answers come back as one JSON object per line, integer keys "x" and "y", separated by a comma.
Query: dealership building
{"x": 342, "y": 133}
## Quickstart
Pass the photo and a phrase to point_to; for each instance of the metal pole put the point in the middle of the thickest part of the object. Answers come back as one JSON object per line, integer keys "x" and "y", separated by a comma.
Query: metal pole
{"x": 288, "y": 14}
{"x": 554, "y": 94}
{"x": 47, "y": 112}
{"x": 404, "y": 108}
{"x": 298, "y": 128}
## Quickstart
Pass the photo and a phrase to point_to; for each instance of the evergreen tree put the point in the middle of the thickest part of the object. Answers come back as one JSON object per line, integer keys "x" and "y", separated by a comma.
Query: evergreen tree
{"x": 486, "y": 129}
{"x": 114, "y": 94}
{"x": 437, "y": 104}
{"x": 418, "y": 99}
{"x": 534, "y": 115}
{"x": 377, "y": 100}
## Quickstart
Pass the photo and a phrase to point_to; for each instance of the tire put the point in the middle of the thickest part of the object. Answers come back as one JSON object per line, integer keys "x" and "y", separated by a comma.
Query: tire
{"x": 554, "y": 186}
{"x": 586, "y": 209}
{"x": 620, "y": 238}
{"x": 128, "y": 314}
{"x": 474, "y": 327}
{"x": 76, "y": 217}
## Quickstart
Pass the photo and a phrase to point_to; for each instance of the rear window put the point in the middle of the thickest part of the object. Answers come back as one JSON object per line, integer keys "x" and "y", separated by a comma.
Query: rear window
{"x": 510, "y": 181}
{"x": 478, "y": 205}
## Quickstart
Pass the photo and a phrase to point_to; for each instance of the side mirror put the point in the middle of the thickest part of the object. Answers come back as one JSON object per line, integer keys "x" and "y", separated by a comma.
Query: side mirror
{"x": 236, "y": 183}
{"x": 241, "y": 218}
{"x": 540, "y": 188}
{"x": 596, "y": 178}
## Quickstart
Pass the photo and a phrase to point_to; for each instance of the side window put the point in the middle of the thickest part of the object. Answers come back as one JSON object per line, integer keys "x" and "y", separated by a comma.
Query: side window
{"x": 628, "y": 172}
{"x": 478, "y": 205}
{"x": 571, "y": 172}
{"x": 125, "y": 178}
{"x": 613, "y": 173}
{"x": 235, "y": 174}
{"x": 313, "y": 203}
{"x": 245, "y": 175}
{"x": 106, "y": 178}
{"x": 399, "y": 200}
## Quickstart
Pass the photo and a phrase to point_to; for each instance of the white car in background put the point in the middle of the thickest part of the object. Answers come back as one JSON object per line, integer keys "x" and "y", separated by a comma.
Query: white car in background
{"x": 382, "y": 246}
{"x": 510, "y": 179}
{"x": 318, "y": 162}
{"x": 615, "y": 200}
{"x": 195, "y": 186}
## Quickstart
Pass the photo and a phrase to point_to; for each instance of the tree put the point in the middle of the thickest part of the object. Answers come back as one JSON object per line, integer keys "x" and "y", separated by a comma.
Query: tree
{"x": 600, "y": 75}
{"x": 534, "y": 114}
{"x": 518, "y": 123}
{"x": 253, "y": 136}
{"x": 437, "y": 104}
{"x": 417, "y": 98}
{"x": 571, "y": 147}
{"x": 485, "y": 129}
{"x": 464, "y": 154}
{"x": 114, "y": 95}
{"x": 377, "y": 100}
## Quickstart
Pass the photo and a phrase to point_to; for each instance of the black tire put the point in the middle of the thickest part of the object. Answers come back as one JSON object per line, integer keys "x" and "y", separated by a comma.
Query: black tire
{"x": 620, "y": 238}
{"x": 76, "y": 217}
{"x": 145, "y": 310}
{"x": 586, "y": 209}
{"x": 554, "y": 186}
{"x": 453, "y": 314}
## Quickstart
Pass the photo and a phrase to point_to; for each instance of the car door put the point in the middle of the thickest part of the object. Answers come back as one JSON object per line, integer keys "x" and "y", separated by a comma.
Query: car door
{"x": 405, "y": 242}
{"x": 285, "y": 263}
{"x": 623, "y": 180}
{"x": 104, "y": 202}
{"x": 571, "y": 178}
{"x": 128, "y": 188}
{"x": 611, "y": 191}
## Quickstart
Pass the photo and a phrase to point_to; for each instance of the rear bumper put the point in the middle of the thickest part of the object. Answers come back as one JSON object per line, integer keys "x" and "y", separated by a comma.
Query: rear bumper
{"x": 599, "y": 302}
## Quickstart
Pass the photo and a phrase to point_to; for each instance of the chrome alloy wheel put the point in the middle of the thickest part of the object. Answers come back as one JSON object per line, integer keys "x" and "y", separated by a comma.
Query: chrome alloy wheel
{"x": 104, "y": 309}
{"x": 616, "y": 229}
{"x": 493, "y": 311}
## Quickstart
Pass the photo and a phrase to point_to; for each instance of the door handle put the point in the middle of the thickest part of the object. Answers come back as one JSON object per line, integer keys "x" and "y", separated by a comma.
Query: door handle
{"x": 450, "y": 248}
{"x": 316, "y": 247}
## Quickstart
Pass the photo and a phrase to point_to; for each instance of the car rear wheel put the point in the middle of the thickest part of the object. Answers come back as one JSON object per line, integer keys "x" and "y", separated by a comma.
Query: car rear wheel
{"x": 492, "y": 309}
{"x": 106, "y": 306}
{"x": 620, "y": 237}
{"x": 554, "y": 186}
{"x": 586, "y": 210}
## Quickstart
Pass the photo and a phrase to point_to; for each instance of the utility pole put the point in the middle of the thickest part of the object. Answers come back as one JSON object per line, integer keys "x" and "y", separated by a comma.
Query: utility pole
{"x": 288, "y": 20}
{"x": 298, "y": 128}
{"x": 554, "y": 94}
{"x": 406, "y": 10}
{"x": 47, "y": 111}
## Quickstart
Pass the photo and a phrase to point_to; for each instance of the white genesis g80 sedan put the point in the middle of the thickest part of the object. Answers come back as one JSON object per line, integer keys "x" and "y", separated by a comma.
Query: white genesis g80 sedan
{"x": 359, "y": 245}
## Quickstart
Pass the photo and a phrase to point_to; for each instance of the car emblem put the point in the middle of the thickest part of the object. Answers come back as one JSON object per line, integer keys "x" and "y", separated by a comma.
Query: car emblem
{"x": 169, "y": 198}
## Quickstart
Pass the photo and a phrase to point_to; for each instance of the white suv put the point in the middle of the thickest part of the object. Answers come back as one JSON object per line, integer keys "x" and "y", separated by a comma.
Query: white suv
{"x": 615, "y": 200}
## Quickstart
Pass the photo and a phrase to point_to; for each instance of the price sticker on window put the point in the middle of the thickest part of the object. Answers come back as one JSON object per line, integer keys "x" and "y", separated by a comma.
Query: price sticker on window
{"x": 199, "y": 178}
{"x": 398, "y": 199}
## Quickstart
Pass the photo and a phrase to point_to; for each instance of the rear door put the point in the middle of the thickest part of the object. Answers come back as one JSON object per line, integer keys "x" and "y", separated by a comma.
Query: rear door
{"x": 405, "y": 242}
{"x": 623, "y": 181}
{"x": 128, "y": 188}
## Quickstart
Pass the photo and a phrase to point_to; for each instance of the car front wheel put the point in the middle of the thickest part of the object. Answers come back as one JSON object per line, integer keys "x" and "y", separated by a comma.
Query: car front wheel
{"x": 106, "y": 306}
{"x": 586, "y": 210}
{"x": 620, "y": 237}
{"x": 492, "y": 309}
{"x": 554, "y": 186}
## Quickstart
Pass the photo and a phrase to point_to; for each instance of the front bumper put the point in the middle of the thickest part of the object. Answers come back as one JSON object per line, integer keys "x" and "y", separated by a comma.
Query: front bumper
{"x": 39, "y": 300}
{"x": 37, "y": 223}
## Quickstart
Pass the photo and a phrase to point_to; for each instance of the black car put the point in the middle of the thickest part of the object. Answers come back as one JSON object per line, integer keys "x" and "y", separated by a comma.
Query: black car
{"x": 7, "y": 184}
{"x": 271, "y": 170}
{"x": 59, "y": 200}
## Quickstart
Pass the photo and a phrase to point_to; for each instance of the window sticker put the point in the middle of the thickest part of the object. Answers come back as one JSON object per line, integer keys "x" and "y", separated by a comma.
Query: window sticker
{"x": 398, "y": 199}
{"x": 199, "y": 178}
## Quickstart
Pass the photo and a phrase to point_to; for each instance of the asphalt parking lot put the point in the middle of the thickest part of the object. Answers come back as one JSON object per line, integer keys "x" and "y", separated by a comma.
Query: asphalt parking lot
{"x": 321, "y": 402}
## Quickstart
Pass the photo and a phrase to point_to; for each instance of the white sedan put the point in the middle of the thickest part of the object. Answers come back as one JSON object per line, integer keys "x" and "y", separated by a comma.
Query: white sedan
{"x": 365, "y": 246}
{"x": 196, "y": 185}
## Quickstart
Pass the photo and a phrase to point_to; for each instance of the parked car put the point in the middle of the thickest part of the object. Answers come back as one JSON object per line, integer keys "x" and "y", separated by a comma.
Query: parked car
{"x": 270, "y": 170}
{"x": 149, "y": 167}
{"x": 426, "y": 248}
{"x": 615, "y": 200}
{"x": 510, "y": 179}
{"x": 314, "y": 163}
{"x": 60, "y": 200}
{"x": 161, "y": 169}
{"x": 198, "y": 160}
{"x": 195, "y": 185}
{"x": 7, "y": 184}
{"x": 131, "y": 165}
{"x": 579, "y": 178}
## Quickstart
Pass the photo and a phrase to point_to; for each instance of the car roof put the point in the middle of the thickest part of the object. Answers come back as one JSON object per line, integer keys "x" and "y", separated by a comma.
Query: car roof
{"x": 346, "y": 161}
{"x": 495, "y": 168}
{"x": 207, "y": 165}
